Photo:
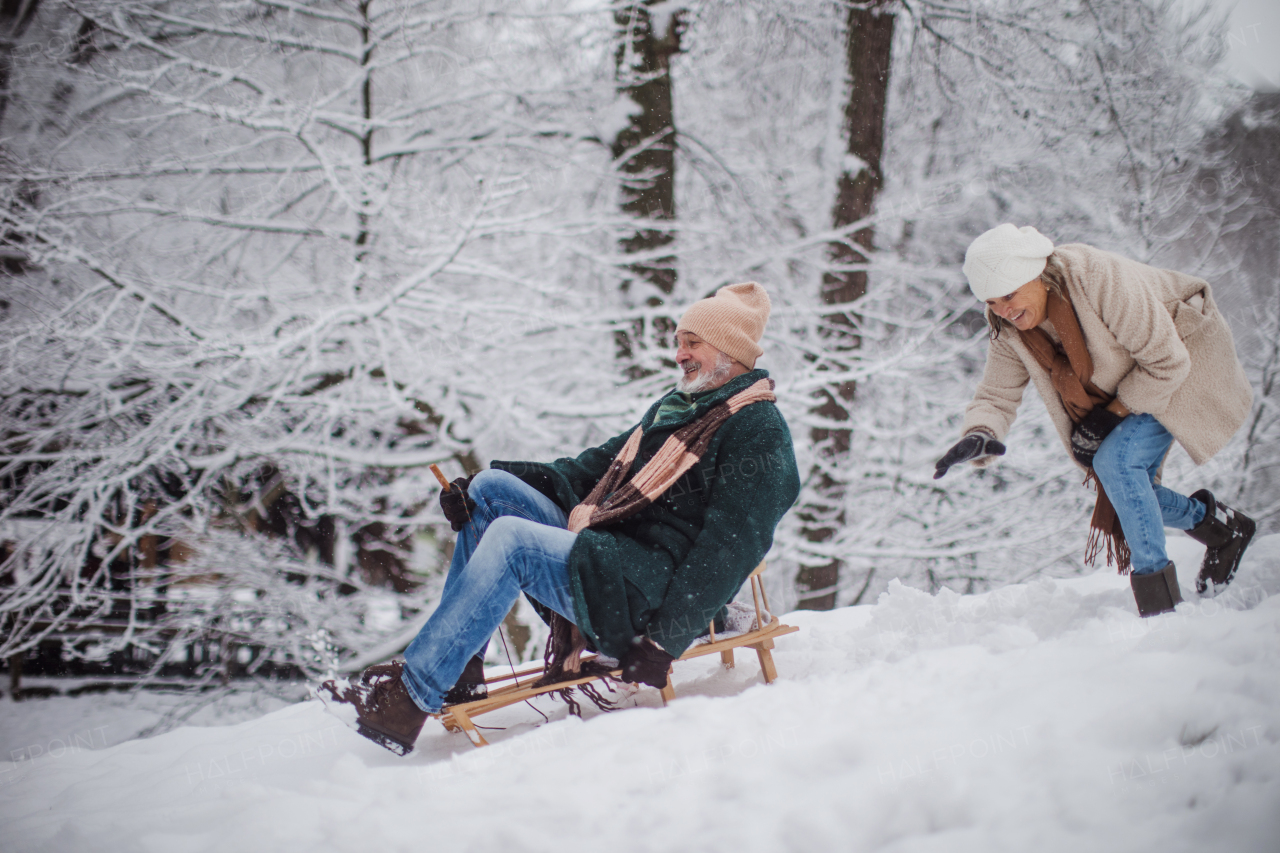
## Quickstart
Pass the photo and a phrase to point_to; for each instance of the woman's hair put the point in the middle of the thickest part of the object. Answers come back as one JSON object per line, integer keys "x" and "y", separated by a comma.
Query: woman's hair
{"x": 1054, "y": 278}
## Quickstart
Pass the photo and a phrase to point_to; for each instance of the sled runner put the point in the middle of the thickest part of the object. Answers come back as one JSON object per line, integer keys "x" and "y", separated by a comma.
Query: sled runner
{"x": 458, "y": 718}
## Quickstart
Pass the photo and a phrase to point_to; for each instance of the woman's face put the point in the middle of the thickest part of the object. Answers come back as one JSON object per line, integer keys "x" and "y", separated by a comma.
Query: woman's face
{"x": 1025, "y": 308}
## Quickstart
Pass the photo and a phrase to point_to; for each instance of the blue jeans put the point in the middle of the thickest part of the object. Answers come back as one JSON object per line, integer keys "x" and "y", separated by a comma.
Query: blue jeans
{"x": 516, "y": 542}
{"x": 1126, "y": 465}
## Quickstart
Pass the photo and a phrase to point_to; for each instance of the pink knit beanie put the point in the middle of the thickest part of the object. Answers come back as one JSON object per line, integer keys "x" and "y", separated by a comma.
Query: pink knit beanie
{"x": 732, "y": 321}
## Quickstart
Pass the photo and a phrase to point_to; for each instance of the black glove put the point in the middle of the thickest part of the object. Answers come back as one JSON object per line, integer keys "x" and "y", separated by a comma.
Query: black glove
{"x": 1090, "y": 432}
{"x": 645, "y": 663}
{"x": 457, "y": 504}
{"x": 975, "y": 445}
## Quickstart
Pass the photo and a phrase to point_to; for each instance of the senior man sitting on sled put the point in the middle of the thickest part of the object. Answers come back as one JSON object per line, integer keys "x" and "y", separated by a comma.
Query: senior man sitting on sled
{"x": 630, "y": 549}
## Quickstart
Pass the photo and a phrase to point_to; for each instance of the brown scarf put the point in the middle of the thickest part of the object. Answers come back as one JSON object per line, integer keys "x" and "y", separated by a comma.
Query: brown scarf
{"x": 1071, "y": 371}
{"x": 612, "y": 500}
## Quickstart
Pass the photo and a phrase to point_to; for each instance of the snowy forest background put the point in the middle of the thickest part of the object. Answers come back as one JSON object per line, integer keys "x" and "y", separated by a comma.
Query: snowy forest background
{"x": 265, "y": 261}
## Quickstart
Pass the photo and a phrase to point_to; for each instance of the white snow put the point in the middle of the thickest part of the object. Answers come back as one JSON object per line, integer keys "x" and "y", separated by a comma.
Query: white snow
{"x": 852, "y": 164}
{"x": 1040, "y": 716}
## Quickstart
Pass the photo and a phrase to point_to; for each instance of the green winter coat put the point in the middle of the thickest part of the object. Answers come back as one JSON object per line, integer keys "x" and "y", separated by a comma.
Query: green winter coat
{"x": 668, "y": 570}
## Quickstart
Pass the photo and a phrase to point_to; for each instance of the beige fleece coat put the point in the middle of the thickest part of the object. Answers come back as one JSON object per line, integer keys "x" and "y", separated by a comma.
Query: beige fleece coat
{"x": 1158, "y": 342}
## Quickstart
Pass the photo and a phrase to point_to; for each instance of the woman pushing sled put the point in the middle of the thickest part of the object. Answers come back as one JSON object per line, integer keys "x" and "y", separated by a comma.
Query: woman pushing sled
{"x": 1127, "y": 358}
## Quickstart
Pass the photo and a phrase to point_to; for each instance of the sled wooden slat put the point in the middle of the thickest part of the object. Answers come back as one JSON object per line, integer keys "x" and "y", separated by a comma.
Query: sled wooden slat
{"x": 750, "y": 639}
{"x": 517, "y": 692}
{"x": 458, "y": 718}
{"x": 668, "y": 691}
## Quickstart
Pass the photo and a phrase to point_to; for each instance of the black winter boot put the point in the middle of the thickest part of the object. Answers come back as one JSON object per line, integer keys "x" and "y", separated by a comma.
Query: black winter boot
{"x": 1156, "y": 592}
{"x": 377, "y": 705}
{"x": 470, "y": 686}
{"x": 1225, "y": 533}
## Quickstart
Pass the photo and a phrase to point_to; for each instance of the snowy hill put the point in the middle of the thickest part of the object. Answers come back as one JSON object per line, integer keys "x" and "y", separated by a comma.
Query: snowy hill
{"x": 1041, "y": 716}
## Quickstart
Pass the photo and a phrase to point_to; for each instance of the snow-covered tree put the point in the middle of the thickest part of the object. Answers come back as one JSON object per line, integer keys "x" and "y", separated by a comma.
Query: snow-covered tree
{"x": 281, "y": 257}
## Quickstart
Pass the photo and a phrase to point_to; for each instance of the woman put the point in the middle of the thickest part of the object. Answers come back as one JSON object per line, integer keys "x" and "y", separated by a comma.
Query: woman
{"x": 1127, "y": 358}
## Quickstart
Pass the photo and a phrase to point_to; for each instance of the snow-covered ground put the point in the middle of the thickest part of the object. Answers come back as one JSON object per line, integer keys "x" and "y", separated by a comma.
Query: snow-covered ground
{"x": 1042, "y": 716}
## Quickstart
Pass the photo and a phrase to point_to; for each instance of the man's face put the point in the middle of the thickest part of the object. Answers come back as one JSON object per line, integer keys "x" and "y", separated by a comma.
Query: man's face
{"x": 702, "y": 366}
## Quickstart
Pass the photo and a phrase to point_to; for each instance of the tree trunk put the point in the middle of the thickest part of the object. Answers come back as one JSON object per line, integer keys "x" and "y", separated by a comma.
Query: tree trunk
{"x": 644, "y": 152}
{"x": 15, "y": 16}
{"x": 366, "y": 140}
{"x": 868, "y": 45}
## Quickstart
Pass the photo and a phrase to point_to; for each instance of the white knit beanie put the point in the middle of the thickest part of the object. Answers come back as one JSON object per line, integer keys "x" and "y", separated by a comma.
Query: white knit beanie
{"x": 732, "y": 321}
{"x": 1004, "y": 259}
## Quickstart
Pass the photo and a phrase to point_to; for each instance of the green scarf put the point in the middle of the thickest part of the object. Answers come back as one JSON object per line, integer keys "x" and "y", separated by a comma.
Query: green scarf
{"x": 673, "y": 407}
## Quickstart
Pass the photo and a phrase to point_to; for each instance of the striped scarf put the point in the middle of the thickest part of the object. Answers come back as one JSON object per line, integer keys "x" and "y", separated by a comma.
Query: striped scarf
{"x": 612, "y": 500}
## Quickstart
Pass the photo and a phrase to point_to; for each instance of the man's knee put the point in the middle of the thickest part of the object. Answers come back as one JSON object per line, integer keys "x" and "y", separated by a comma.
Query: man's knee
{"x": 505, "y": 531}
{"x": 490, "y": 483}
{"x": 525, "y": 545}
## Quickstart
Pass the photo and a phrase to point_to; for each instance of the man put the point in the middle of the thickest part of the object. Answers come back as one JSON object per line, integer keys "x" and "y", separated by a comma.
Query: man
{"x": 636, "y": 544}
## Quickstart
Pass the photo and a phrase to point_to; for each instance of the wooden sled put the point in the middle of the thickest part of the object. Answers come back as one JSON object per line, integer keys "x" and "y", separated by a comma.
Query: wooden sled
{"x": 458, "y": 718}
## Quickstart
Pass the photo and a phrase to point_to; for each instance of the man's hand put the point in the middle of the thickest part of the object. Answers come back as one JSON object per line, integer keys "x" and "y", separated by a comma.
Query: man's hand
{"x": 457, "y": 504}
{"x": 645, "y": 662}
{"x": 975, "y": 445}
{"x": 1089, "y": 434}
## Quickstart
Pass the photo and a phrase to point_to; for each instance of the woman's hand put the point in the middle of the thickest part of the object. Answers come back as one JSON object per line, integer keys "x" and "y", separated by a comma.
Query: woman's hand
{"x": 1089, "y": 434}
{"x": 975, "y": 445}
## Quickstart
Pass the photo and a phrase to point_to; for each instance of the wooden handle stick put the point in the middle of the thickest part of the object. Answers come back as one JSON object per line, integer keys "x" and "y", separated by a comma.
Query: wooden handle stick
{"x": 449, "y": 487}
{"x": 444, "y": 484}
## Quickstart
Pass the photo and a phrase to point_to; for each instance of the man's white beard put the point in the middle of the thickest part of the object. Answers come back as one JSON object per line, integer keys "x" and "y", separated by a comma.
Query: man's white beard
{"x": 707, "y": 379}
